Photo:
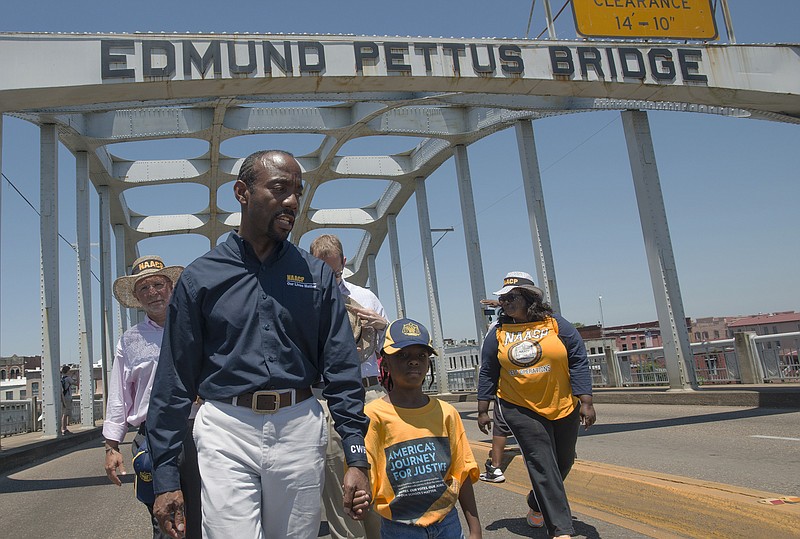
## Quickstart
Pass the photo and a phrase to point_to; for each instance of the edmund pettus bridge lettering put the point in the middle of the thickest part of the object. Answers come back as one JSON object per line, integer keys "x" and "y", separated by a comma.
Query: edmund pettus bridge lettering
{"x": 223, "y": 59}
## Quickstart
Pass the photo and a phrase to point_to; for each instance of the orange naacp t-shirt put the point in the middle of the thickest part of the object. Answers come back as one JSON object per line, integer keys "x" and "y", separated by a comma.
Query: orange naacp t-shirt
{"x": 534, "y": 368}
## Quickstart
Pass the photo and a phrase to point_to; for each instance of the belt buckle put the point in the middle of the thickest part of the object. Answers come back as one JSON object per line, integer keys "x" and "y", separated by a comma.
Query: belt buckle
{"x": 266, "y": 393}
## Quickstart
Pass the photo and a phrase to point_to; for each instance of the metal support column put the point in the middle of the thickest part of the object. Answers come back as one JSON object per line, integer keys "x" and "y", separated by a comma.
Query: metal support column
{"x": 48, "y": 229}
{"x": 548, "y": 14}
{"x": 1, "y": 228}
{"x": 397, "y": 270}
{"x": 106, "y": 317}
{"x": 658, "y": 246}
{"x": 431, "y": 284}
{"x": 1, "y": 239}
{"x": 537, "y": 214}
{"x": 477, "y": 279}
{"x": 122, "y": 267}
{"x": 726, "y": 15}
{"x": 82, "y": 213}
{"x": 373, "y": 275}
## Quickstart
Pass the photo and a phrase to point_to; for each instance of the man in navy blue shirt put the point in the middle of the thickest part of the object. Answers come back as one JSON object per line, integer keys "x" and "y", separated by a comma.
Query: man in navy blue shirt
{"x": 251, "y": 326}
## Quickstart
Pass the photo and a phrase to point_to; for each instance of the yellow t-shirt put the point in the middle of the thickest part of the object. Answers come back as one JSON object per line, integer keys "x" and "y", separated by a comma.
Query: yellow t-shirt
{"x": 534, "y": 368}
{"x": 419, "y": 458}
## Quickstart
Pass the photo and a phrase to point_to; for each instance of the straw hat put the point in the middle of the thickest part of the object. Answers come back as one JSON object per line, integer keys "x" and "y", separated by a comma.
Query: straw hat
{"x": 144, "y": 266}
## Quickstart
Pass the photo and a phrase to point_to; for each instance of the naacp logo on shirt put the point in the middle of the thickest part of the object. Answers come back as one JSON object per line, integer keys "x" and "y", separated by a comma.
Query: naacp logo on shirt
{"x": 299, "y": 281}
{"x": 525, "y": 353}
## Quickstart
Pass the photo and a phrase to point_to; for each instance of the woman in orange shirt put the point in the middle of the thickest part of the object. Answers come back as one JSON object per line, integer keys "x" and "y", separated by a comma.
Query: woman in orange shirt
{"x": 535, "y": 362}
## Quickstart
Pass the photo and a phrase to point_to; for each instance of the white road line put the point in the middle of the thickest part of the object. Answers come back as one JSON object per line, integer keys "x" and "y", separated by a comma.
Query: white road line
{"x": 775, "y": 438}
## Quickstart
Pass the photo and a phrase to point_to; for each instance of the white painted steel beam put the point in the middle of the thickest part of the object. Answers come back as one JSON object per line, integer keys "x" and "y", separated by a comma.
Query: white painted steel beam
{"x": 431, "y": 284}
{"x": 132, "y": 124}
{"x": 107, "y": 341}
{"x": 141, "y": 172}
{"x": 537, "y": 213}
{"x": 658, "y": 247}
{"x": 121, "y": 270}
{"x": 2, "y": 182}
{"x": 84, "y": 256}
{"x": 397, "y": 269}
{"x": 48, "y": 229}
{"x": 474, "y": 261}
{"x": 373, "y": 275}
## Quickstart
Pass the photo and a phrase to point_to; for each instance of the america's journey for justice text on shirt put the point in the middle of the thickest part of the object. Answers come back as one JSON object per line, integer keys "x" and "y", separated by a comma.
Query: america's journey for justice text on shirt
{"x": 419, "y": 459}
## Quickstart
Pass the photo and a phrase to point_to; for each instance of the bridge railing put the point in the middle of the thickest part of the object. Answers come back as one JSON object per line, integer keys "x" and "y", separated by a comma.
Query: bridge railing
{"x": 778, "y": 356}
{"x": 21, "y": 416}
{"x": 714, "y": 362}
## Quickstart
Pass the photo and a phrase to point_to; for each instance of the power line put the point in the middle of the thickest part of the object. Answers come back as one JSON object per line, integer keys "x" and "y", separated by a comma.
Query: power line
{"x": 554, "y": 18}
{"x": 548, "y": 167}
{"x": 551, "y": 165}
{"x": 71, "y": 245}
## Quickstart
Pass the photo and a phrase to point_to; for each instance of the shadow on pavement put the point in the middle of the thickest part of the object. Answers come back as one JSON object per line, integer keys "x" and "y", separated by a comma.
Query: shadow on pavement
{"x": 10, "y": 485}
{"x": 600, "y": 428}
{"x": 518, "y": 527}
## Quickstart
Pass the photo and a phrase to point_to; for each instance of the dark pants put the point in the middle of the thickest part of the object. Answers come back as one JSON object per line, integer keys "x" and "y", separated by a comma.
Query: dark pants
{"x": 548, "y": 448}
{"x": 190, "y": 487}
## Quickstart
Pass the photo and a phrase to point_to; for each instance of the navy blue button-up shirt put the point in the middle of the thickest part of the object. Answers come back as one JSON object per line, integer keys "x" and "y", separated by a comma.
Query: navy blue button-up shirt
{"x": 236, "y": 325}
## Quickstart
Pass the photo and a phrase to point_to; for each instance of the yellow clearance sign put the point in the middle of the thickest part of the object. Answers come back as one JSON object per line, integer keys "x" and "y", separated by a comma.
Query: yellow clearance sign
{"x": 670, "y": 19}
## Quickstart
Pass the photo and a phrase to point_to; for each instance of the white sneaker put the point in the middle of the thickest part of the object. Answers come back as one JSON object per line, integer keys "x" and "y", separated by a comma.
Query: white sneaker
{"x": 492, "y": 474}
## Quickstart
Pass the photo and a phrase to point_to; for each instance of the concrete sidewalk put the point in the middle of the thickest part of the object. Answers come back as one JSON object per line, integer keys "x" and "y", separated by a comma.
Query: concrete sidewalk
{"x": 755, "y": 396}
{"x": 750, "y": 396}
{"x": 24, "y": 449}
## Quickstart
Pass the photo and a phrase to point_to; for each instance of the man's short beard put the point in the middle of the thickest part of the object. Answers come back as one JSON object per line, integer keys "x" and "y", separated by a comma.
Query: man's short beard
{"x": 272, "y": 232}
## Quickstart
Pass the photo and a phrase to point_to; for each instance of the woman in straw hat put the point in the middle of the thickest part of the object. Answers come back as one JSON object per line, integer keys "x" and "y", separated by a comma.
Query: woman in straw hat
{"x": 535, "y": 362}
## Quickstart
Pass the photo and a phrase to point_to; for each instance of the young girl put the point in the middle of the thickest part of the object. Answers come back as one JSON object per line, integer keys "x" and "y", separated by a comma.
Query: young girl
{"x": 420, "y": 459}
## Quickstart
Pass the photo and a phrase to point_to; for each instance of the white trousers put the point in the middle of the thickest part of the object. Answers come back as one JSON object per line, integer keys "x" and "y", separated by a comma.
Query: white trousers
{"x": 262, "y": 473}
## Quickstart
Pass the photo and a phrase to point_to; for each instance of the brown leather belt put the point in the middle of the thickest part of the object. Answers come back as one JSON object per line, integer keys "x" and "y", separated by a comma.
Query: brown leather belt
{"x": 370, "y": 381}
{"x": 269, "y": 401}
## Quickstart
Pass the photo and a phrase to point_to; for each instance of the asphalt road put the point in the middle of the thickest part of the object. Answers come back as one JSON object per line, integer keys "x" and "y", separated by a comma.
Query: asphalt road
{"x": 69, "y": 496}
{"x": 757, "y": 448}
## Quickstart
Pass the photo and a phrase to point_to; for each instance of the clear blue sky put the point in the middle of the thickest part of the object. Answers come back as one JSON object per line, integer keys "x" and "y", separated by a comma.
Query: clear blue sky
{"x": 731, "y": 186}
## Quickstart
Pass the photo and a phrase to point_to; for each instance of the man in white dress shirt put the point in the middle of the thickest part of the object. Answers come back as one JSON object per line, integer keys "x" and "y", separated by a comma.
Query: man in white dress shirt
{"x": 368, "y": 313}
{"x": 149, "y": 287}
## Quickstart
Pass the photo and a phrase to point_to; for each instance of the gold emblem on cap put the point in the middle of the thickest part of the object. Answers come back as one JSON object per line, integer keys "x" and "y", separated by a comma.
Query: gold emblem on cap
{"x": 411, "y": 330}
{"x": 510, "y": 280}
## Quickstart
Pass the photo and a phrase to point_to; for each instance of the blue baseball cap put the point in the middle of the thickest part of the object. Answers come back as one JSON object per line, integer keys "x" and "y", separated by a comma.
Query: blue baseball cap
{"x": 143, "y": 466}
{"x": 405, "y": 332}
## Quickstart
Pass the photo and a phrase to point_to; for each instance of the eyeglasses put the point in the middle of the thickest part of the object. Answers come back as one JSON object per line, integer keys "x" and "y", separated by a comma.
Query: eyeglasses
{"x": 509, "y": 298}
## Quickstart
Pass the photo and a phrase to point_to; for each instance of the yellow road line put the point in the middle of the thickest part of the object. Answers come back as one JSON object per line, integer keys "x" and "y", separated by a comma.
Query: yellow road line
{"x": 664, "y": 504}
